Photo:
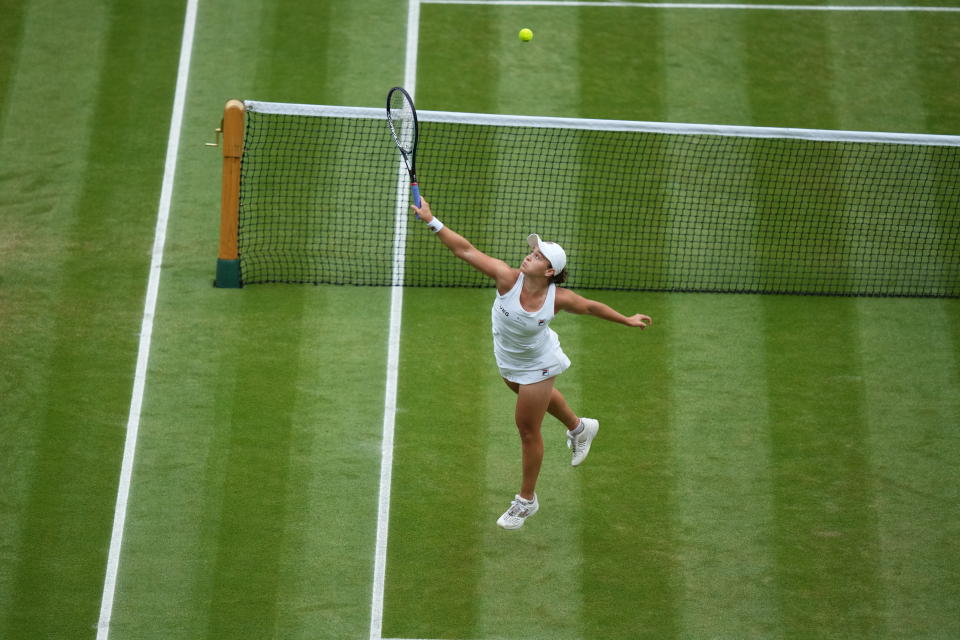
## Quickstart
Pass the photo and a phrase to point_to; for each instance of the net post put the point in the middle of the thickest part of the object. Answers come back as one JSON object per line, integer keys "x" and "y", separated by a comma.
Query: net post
{"x": 228, "y": 260}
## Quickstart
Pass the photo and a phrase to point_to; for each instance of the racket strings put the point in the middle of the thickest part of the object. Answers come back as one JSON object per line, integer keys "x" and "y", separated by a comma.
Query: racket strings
{"x": 402, "y": 121}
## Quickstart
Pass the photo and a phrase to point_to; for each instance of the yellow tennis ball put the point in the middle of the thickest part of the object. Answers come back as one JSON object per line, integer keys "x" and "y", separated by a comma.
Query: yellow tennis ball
{"x": 526, "y": 35}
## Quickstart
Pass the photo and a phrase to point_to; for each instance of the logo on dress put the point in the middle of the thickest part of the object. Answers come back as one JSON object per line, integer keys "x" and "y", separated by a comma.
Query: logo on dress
{"x": 545, "y": 372}
{"x": 541, "y": 323}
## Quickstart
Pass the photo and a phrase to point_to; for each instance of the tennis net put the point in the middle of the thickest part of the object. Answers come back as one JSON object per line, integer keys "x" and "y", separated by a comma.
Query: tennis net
{"x": 637, "y": 206}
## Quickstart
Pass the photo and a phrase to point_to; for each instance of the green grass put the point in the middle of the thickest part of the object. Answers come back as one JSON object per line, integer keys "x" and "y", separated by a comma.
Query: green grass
{"x": 768, "y": 466}
{"x": 742, "y": 487}
{"x": 252, "y": 516}
{"x": 81, "y": 151}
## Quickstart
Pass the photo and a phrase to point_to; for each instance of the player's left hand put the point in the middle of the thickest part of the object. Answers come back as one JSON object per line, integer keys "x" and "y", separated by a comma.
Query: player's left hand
{"x": 639, "y": 320}
{"x": 423, "y": 211}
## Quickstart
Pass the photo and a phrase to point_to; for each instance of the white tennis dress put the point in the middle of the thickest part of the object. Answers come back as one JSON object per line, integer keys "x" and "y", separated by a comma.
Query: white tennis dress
{"x": 526, "y": 348}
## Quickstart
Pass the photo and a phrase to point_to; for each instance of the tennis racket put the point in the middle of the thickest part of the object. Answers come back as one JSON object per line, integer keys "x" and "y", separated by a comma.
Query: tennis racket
{"x": 402, "y": 118}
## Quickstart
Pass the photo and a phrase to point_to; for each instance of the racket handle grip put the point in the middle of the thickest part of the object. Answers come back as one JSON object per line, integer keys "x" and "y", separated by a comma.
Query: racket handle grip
{"x": 415, "y": 188}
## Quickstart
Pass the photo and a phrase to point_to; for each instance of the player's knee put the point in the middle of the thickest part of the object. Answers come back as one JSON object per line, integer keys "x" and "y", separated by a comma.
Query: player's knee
{"x": 529, "y": 430}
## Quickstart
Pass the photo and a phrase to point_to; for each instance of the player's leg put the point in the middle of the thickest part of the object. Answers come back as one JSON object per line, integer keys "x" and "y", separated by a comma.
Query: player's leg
{"x": 558, "y": 406}
{"x": 532, "y": 403}
{"x": 580, "y": 432}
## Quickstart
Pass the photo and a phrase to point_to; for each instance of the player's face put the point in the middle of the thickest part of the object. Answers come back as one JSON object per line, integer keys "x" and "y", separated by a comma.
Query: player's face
{"x": 535, "y": 264}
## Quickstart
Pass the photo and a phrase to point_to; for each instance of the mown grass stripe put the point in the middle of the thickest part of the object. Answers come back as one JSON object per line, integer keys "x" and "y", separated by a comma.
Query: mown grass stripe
{"x": 827, "y": 549}
{"x": 825, "y": 530}
{"x": 724, "y": 517}
{"x": 874, "y": 85}
{"x": 456, "y": 45}
{"x": 257, "y": 438}
{"x": 539, "y": 77}
{"x": 704, "y": 59}
{"x": 937, "y": 42}
{"x": 912, "y": 392}
{"x": 296, "y": 32}
{"x": 11, "y": 38}
{"x": 630, "y": 570}
{"x": 438, "y": 489}
{"x": 779, "y": 49}
{"x": 624, "y": 77}
{"x": 332, "y": 524}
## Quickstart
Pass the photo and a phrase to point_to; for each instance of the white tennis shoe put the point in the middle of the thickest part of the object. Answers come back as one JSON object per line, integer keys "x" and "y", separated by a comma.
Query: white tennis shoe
{"x": 580, "y": 444}
{"x": 518, "y": 512}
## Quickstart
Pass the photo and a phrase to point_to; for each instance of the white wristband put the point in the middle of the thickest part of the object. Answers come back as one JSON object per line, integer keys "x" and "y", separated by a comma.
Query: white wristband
{"x": 435, "y": 225}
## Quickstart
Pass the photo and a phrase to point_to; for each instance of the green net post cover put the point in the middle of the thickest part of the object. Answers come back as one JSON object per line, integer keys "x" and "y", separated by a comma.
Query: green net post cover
{"x": 228, "y": 274}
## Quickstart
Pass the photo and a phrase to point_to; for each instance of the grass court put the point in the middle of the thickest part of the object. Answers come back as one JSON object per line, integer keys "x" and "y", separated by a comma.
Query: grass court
{"x": 767, "y": 467}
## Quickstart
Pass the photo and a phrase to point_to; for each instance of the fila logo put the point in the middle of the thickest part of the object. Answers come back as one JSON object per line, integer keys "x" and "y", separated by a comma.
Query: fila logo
{"x": 541, "y": 323}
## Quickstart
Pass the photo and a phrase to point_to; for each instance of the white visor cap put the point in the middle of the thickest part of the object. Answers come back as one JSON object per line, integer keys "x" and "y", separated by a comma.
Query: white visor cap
{"x": 550, "y": 250}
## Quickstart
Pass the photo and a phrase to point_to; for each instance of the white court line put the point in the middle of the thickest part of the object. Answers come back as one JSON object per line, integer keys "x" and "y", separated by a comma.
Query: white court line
{"x": 146, "y": 328}
{"x": 393, "y": 345}
{"x": 695, "y": 5}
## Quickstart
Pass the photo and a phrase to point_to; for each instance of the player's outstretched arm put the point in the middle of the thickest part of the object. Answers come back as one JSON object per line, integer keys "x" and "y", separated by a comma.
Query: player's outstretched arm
{"x": 573, "y": 303}
{"x": 459, "y": 246}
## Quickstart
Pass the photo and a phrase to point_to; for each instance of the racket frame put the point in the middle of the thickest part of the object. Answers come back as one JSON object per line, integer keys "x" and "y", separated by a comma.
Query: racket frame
{"x": 409, "y": 156}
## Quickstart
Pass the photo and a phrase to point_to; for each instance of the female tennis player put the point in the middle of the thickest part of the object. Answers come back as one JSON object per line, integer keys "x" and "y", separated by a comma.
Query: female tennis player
{"x": 527, "y": 351}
